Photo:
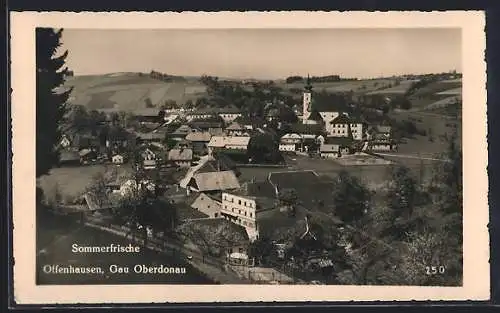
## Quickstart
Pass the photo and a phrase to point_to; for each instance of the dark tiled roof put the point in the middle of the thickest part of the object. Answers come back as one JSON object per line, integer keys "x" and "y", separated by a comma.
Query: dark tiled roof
{"x": 341, "y": 119}
{"x": 314, "y": 129}
{"x": 315, "y": 116}
{"x": 185, "y": 211}
{"x": 343, "y": 141}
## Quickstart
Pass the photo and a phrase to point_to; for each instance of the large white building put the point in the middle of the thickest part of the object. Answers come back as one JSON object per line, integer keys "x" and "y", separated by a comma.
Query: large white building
{"x": 243, "y": 210}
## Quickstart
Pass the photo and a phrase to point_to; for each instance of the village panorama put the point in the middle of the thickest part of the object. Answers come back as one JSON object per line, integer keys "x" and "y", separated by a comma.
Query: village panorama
{"x": 308, "y": 179}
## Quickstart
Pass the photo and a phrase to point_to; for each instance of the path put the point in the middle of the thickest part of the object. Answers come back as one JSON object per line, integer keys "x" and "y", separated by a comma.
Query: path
{"x": 198, "y": 260}
{"x": 410, "y": 157}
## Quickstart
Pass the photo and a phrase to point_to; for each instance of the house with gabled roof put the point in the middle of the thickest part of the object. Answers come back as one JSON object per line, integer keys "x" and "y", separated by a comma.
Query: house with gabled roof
{"x": 333, "y": 147}
{"x": 213, "y": 182}
{"x": 236, "y": 129}
{"x": 181, "y": 157}
{"x": 181, "y": 132}
{"x": 199, "y": 141}
{"x": 218, "y": 143}
{"x": 207, "y": 204}
{"x": 65, "y": 142}
{"x": 291, "y": 142}
{"x": 250, "y": 123}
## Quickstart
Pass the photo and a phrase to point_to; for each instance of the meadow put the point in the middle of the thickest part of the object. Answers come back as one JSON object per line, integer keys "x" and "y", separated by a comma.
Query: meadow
{"x": 129, "y": 91}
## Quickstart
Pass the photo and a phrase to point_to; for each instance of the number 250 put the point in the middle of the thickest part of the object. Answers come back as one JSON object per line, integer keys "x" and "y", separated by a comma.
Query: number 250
{"x": 433, "y": 270}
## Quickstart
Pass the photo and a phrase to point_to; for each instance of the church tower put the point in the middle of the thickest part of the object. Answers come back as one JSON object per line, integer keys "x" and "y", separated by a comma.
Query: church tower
{"x": 307, "y": 100}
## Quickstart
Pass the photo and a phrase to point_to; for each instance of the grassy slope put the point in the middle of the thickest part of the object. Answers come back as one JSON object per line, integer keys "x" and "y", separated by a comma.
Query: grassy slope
{"x": 128, "y": 91}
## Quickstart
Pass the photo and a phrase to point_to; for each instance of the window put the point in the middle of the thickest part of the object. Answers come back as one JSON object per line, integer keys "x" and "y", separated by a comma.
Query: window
{"x": 239, "y": 202}
{"x": 239, "y": 211}
{"x": 245, "y": 213}
{"x": 232, "y": 209}
{"x": 250, "y": 214}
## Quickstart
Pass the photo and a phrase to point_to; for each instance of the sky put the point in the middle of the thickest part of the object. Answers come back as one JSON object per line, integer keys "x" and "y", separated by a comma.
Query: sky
{"x": 265, "y": 53}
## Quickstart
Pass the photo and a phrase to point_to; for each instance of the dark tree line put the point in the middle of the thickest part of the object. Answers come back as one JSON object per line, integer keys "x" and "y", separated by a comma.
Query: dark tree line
{"x": 50, "y": 105}
{"x": 318, "y": 79}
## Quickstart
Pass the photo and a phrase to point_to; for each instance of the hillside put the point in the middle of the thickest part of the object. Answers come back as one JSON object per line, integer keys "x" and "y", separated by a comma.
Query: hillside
{"x": 128, "y": 91}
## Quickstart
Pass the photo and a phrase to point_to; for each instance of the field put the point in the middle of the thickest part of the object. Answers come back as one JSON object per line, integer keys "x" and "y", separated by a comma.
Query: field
{"x": 437, "y": 87}
{"x": 128, "y": 91}
{"x": 374, "y": 176}
{"x": 396, "y": 90}
{"x": 343, "y": 86}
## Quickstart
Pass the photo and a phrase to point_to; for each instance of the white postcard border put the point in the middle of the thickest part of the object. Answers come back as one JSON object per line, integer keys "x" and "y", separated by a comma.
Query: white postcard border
{"x": 475, "y": 155}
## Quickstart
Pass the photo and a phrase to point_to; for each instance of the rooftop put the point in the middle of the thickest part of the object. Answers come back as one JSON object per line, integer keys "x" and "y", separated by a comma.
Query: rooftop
{"x": 180, "y": 155}
{"x": 213, "y": 181}
{"x": 342, "y": 141}
{"x": 341, "y": 119}
{"x": 199, "y": 136}
{"x": 223, "y": 141}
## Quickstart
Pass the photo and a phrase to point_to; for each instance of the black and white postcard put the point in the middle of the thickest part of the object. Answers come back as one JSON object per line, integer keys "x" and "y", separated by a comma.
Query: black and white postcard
{"x": 249, "y": 156}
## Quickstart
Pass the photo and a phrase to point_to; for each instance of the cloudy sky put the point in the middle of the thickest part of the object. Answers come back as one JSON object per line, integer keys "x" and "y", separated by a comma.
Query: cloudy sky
{"x": 265, "y": 53}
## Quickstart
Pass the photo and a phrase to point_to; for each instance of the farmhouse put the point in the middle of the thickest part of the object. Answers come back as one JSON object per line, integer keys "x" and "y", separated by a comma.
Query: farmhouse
{"x": 181, "y": 157}
{"x": 379, "y": 145}
{"x": 228, "y": 114}
{"x": 231, "y": 143}
{"x": 291, "y": 142}
{"x": 118, "y": 159}
{"x": 213, "y": 182}
{"x": 65, "y": 142}
{"x": 207, "y": 124}
{"x": 207, "y": 204}
{"x": 199, "y": 141}
{"x": 236, "y": 129}
{"x": 199, "y": 115}
{"x": 181, "y": 132}
{"x": 329, "y": 151}
{"x": 334, "y": 147}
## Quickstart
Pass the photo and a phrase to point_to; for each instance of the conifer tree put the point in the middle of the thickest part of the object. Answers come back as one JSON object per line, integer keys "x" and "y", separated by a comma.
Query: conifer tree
{"x": 50, "y": 104}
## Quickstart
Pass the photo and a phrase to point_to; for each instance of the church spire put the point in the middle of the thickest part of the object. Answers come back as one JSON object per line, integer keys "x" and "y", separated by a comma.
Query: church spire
{"x": 308, "y": 86}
